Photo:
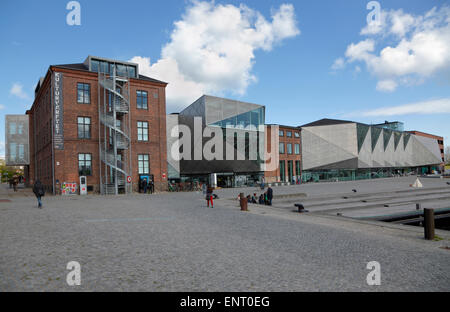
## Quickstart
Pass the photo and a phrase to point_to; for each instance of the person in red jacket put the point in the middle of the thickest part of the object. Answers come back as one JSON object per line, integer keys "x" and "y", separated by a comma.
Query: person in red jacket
{"x": 209, "y": 197}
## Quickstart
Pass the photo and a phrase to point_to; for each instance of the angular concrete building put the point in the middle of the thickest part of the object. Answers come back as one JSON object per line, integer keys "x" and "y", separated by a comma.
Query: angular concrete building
{"x": 347, "y": 150}
{"x": 226, "y": 139}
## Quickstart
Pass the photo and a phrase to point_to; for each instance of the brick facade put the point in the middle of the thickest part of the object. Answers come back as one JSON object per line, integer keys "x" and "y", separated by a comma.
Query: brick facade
{"x": 289, "y": 159}
{"x": 65, "y": 162}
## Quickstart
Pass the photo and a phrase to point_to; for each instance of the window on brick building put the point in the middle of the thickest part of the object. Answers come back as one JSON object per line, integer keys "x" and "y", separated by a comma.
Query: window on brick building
{"x": 297, "y": 149}
{"x": 142, "y": 99}
{"x": 84, "y": 127}
{"x": 289, "y": 148}
{"x": 281, "y": 133}
{"x": 289, "y": 134}
{"x": 296, "y": 134}
{"x": 281, "y": 148}
{"x": 83, "y": 93}
{"x": 143, "y": 164}
{"x": 142, "y": 130}
{"x": 84, "y": 164}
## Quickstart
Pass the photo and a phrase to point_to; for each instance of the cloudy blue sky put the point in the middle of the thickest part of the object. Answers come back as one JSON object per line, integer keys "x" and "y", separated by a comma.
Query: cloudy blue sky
{"x": 303, "y": 60}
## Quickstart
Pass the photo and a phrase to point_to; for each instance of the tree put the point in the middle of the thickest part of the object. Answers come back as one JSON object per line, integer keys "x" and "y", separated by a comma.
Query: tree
{"x": 8, "y": 172}
{"x": 447, "y": 155}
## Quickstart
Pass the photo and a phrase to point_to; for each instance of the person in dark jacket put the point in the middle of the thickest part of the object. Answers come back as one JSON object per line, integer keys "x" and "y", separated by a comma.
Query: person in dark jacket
{"x": 261, "y": 199}
{"x": 145, "y": 185}
{"x": 15, "y": 182}
{"x": 152, "y": 186}
{"x": 269, "y": 196}
{"x": 38, "y": 190}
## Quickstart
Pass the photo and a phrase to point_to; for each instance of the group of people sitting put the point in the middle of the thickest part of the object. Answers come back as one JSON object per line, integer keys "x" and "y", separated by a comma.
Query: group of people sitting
{"x": 263, "y": 199}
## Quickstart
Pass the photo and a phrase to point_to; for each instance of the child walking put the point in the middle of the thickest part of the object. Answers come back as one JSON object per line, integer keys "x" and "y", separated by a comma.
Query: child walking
{"x": 209, "y": 197}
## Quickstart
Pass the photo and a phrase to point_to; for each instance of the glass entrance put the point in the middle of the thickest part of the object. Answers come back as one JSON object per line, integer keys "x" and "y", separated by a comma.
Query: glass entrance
{"x": 282, "y": 171}
{"x": 290, "y": 171}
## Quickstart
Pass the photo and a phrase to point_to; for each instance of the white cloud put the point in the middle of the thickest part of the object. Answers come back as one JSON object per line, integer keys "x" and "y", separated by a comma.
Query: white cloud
{"x": 393, "y": 22}
{"x": 439, "y": 106}
{"x": 180, "y": 90}
{"x": 2, "y": 106}
{"x": 360, "y": 51}
{"x": 421, "y": 47}
{"x": 211, "y": 49}
{"x": 375, "y": 27}
{"x": 386, "y": 85}
{"x": 17, "y": 90}
{"x": 339, "y": 63}
{"x": 401, "y": 23}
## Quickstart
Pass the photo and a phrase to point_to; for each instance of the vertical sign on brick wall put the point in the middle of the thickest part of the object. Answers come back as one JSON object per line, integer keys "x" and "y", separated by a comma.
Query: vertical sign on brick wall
{"x": 58, "y": 135}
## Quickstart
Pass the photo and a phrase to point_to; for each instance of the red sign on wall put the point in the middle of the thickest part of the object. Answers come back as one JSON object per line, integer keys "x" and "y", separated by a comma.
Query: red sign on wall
{"x": 129, "y": 179}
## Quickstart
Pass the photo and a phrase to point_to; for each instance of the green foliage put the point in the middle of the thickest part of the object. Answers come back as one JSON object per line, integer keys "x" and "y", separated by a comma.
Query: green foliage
{"x": 8, "y": 172}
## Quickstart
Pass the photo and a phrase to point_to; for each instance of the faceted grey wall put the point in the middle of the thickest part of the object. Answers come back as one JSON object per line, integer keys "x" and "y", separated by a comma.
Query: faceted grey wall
{"x": 173, "y": 165}
{"x": 326, "y": 146}
{"x": 353, "y": 145}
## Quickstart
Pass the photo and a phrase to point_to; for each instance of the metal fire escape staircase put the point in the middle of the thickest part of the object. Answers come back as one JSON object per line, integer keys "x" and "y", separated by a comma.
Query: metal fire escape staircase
{"x": 114, "y": 133}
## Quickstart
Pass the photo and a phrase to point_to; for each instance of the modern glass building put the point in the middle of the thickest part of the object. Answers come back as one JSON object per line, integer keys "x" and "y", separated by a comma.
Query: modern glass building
{"x": 392, "y": 125}
{"x": 17, "y": 147}
{"x": 226, "y": 141}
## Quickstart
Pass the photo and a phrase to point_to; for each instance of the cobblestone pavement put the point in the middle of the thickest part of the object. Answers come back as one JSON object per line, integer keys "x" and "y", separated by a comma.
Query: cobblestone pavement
{"x": 172, "y": 242}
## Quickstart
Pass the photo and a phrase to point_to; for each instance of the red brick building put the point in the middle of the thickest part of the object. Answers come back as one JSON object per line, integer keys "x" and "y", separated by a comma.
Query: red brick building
{"x": 288, "y": 154}
{"x": 100, "y": 119}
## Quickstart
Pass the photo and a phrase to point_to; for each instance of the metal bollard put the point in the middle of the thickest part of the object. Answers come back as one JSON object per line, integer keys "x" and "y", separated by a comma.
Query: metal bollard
{"x": 417, "y": 206}
{"x": 428, "y": 224}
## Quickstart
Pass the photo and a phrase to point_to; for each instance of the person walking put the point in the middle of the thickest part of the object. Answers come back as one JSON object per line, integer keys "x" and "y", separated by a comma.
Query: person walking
{"x": 209, "y": 191}
{"x": 38, "y": 190}
{"x": 152, "y": 186}
{"x": 15, "y": 182}
{"x": 144, "y": 186}
{"x": 269, "y": 195}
